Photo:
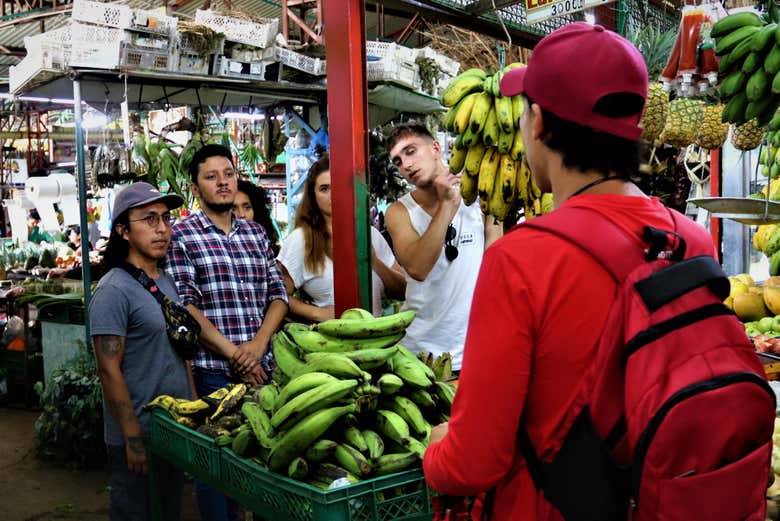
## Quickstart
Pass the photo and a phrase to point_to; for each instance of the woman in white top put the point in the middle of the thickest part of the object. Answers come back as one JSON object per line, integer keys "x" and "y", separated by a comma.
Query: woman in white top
{"x": 306, "y": 255}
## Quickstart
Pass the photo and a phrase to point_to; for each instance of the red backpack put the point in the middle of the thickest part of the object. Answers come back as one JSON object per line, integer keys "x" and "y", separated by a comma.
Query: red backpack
{"x": 674, "y": 418}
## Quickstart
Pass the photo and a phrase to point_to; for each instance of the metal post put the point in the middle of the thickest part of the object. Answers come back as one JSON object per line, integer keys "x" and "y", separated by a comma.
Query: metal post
{"x": 348, "y": 117}
{"x": 86, "y": 275}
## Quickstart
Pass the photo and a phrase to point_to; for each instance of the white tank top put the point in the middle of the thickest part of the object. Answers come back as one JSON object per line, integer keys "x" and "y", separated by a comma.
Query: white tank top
{"x": 443, "y": 300}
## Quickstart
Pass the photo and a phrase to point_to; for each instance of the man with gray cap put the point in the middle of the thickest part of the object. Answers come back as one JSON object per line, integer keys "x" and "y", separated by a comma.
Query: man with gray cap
{"x": 135, "y": 359}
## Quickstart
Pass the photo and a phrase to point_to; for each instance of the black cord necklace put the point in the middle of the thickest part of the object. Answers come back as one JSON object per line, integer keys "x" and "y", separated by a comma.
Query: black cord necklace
{"x": 597, "y": 182}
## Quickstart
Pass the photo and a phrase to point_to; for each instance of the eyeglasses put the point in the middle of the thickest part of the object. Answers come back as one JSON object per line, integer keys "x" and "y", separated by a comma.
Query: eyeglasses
{"x": 450, "y": 250}
{"x": 153, "y": 219}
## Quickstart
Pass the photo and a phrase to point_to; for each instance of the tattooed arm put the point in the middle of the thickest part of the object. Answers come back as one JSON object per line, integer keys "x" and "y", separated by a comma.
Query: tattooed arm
{"x": 109, "y": 350}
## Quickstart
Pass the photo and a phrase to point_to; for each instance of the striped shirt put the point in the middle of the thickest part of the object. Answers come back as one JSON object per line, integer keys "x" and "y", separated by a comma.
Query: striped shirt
{"x": 231, "y": 279}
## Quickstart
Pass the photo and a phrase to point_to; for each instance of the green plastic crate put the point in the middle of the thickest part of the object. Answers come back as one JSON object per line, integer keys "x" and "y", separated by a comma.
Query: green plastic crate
{"x": 401, "y": 496}
{"x": 189, "y": 450}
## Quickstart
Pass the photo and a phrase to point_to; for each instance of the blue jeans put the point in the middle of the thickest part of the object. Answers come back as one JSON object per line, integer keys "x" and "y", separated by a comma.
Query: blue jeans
{"x": 129, "y": 500}
{"x": 212, "y": 503}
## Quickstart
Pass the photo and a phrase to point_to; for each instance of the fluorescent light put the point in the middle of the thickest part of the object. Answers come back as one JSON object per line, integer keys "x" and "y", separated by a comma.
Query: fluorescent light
{"x": 243, "y": 115}
{"x": 36, "y": 99}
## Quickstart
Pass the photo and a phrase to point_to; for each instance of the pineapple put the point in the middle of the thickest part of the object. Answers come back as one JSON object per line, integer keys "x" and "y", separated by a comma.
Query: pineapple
{"x": 747, "y": 136}
{"x": 656, "y": 112}
{"x": 712, "y": 133}
{"x": 682, "y": 125}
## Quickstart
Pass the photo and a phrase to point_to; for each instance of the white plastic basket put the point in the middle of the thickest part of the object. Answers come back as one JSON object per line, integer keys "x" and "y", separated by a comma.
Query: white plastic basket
{"x": 389, "y": 50}
{"x": 445, "y": 63}
{"x": 95, "y": 55}
{"x": 111, "y": 15}
{"x": 132, "y": 57}
{"x": 296, "y": 60}
{"x": 238, "y": 69}
{"x": 192, "y": 63}
{"x": 240, "y": 31}
{"x": 95, "y": 33}
{"x": 32, "y": 69}
{"x": 154, "y": 23}
{"x": 402, "y": 73}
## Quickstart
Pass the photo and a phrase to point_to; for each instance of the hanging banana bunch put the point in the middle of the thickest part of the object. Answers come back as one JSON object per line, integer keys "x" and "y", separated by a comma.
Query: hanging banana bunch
{"x": 489, "y": 149}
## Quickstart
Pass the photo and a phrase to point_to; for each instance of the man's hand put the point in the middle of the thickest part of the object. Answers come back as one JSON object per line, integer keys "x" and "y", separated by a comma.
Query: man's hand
{"x": 255, "y": 376}
{"x": 135, "y": 448}
{"x": 247, "y": 356}
{"x": 326, "y": 313}
{"x": 448, "y": 189}
{"x": 439, "y": 432}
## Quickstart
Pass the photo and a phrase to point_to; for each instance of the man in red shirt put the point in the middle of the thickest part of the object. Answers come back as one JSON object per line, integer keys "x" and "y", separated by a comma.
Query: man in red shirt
{"x": 540, "y": 302}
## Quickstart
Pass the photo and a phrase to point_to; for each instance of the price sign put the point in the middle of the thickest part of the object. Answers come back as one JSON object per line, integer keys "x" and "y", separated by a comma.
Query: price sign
{"x": 539, "y": 10}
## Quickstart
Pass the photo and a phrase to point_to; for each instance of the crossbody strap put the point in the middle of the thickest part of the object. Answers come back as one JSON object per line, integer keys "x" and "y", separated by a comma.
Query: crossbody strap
{"x": 146, "y": 281}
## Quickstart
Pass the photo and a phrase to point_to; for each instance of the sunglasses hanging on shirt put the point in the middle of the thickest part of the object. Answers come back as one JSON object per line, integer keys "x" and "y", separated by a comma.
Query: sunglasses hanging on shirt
{"x": 450, "y": 250}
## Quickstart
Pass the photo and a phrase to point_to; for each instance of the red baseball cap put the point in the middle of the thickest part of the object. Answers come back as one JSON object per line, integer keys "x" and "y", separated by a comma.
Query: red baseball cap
{"x": 571, "y": 69}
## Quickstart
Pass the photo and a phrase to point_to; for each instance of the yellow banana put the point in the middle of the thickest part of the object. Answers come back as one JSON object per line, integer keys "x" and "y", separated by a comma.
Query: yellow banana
{"x": 457, "y": 159}
{"x": 460, "y": 87}
{"x": 518, "y": 107}
{"x": 468, "y": 188}
{"x": 470, "y": 138}
{"x": 505, "y": 141}
{"x": 490, "y": 130}
{"x": 533, "y": 188}
{"x": 521, "y": 182}
{"x": 480, "y": 111}
{"x": 546, "y": 203}
{"x": 518, "y": 146}
{"x": 473, "y": 159}
{"x": 507, "y": 175}
{"x": 504, "y": 114}
{"x": 461, "y": 122}
{"x": 487, "y": 175}
{"x": 496, "y": 205}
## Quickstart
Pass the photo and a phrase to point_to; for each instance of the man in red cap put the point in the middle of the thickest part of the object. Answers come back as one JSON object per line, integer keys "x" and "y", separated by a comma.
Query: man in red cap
{"x": 540, "y": 302}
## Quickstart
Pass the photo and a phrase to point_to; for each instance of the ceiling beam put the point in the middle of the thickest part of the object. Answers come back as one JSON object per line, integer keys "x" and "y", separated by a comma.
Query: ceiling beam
{"x": 12, "y": 51}
{"x": 483, "y": 6}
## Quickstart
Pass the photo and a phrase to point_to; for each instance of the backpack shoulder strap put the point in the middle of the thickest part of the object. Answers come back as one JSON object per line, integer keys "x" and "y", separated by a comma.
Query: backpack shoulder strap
{"x": 609, "y": 244}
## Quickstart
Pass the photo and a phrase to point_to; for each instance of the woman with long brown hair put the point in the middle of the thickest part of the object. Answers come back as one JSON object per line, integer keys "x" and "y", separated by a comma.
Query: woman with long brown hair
{"x": 306, "y": 257}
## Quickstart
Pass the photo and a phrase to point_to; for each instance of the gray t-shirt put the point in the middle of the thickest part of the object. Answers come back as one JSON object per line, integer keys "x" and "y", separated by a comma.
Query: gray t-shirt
{"x": 122, "y": 307}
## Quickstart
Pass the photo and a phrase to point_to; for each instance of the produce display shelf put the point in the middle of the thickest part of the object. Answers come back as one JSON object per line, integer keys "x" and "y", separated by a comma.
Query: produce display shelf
{"x": 741, "y": 209}
{"x": 402, "y": 496}
{"x": 189, "y": 450}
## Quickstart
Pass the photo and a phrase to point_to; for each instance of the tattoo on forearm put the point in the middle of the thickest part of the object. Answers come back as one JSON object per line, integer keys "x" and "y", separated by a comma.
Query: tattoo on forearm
{"x": 110, "y": 345}
{"x": 136, "y": 444}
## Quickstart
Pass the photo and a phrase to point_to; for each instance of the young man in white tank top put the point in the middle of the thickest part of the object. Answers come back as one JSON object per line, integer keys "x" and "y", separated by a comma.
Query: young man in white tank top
{"x": 438, "y": 241}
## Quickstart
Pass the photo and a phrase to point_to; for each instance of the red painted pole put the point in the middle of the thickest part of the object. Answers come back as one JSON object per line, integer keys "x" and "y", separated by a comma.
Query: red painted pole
{"x": 345, "y": 35}
{"x": 715, "y": 192}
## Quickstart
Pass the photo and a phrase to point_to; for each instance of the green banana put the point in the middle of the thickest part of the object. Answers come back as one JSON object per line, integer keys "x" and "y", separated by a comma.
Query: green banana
{"x": 764, "y": 37}
{"x": 391, "y": 425}
{"x": 757, "y": 86}
{"x": 260, "y": 424}
{"x": 409, "y": 356}
{"x": 241, "y": 443}
{"x": 735, "y": 57}
{"x": 422, "y": 398}
{"x": 518, "y": 107}
{"x": 505, "y": 140}
{"x": 303, "y": 434}
{"x": 320, "y": 450}
{"x": 773, "y": 243}
{"x": 445, "y": 393}
{"x": 417, "y": 447}
{"x": 229, "y": 421}
{"x": 358, "y": 313}
{"x": 443, "y": 367}
{"x": 332, "y": 472}
{"x": 504, "y": 114}
{"x": 389, "y": 383}
{"x": 733, "y": 83}
{"x": 298, "y": 468}
{"x": 301, "y": 384}
{"x": 315, "y": 342}
{"x": 411, "y": 414}
{"x": 352, "y": 460}
{"x": 392, "y": 463}
{"x": 365, "y": 359}
{"x": 382, "y": 326}
{"x": 375, "y": 444}
{"x": 752, "y": 62}
{"x": 772, "y": 60}
{"x": 774, "y": 264}
{"x": 267, "y": 397}
{"x": 470, "y": 138}
{"x": 224, "y": 440}
{"x": 733, "y": 22}
{"x": 284, "y": 352}
{"x": 354, "y": 438}
{"x": 334, "y": 364}
{"x": 310, "y": 401}
{"x": 734, "y": 111}
{"x": 480, "y": 111}
{"x": 730, "y": 41}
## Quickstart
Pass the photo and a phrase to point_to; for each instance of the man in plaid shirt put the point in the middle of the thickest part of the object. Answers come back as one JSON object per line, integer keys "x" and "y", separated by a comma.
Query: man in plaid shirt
{"x": 226, "y": 275}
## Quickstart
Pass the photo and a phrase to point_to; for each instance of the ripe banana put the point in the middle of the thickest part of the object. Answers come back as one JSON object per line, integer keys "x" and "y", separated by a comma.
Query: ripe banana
{"x": 187, "y": 422}
{"x": 391, "y": 425}
{"x": 480, "y": 111}
{"x": 468, "y": 188}
{"x": 320, "y": 450}
{"x": 408, "y": 410}
{"x": 473, "y": 159}
{"x": 229, "y": 401}
{"x": 496, "y": 205}
{"x": 460, "y": 86}
{"x": 505, "y": 142}
{"x": 310, "y": 401}
{"x": 192, "y": 407}
{"x": 518, "y": 146}
{"x": 354, "y": 438}
{"x": 463, "y": 117}
{"x": 521, "y": 182}
{"x": 302, "y": 384}
{"x": 390, "y": 383}
{"x": 334, "y": 364}
{"x": 507, "y": 175}
{"x": 215, "y": 397}
{"x": 470, "y": 138}
{"x": 392, "y": 463}
{"x": 331, "y": 472}
{"x": 315, "y": 342}
{"x": 504, "y": 114}
{"x": 382, "y": 326}
{"x": 303, "y": 434}
{"x": 442, "y": 367}
{"x": 352, "y": 460}
{"x": 487, "y": 174}
{"x": 375, "y": 444}
{"x": 491, "y": 129}
{"x": 518, "y": 107}
{"x": 457, "y": 160}
{"x": 285, "y": 354}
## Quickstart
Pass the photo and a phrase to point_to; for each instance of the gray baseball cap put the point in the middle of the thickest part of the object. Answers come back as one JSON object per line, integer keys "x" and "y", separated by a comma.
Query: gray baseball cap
{"x": 141, "y": 194}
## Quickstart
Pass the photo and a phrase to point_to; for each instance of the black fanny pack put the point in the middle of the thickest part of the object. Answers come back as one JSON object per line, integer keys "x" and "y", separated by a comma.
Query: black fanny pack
{"x": 182, "y": 328}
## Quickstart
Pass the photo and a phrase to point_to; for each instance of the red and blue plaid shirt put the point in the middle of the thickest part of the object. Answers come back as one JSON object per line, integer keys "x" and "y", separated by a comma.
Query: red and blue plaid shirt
{"x": 231, "y": 279}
